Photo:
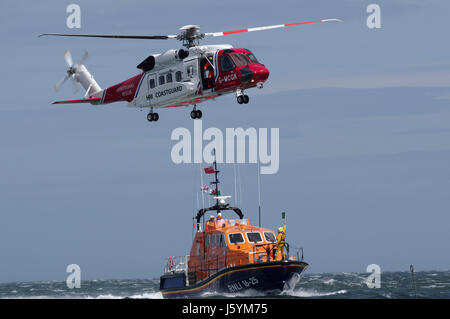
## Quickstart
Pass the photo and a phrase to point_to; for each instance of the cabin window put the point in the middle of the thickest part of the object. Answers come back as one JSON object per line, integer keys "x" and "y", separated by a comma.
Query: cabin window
{"x": 223, "y": 242}
{"x": 254, "y": 237}
{"x": 270, "y": 237}
{"x": 190, "y": 71}
{"x": 161, "y": 80}
{"x": 169, "y": 78}
{"x": 178, "y": 76}
{"x": 239, "y": 59}
{"x": 207, "y": 241}
{"x": 152, "y": 83}
{"x": 252, "y": 58}
{"x": 217, "y": 240}
{"x": 226, "y": 63}
{"x": 236, "y": 238}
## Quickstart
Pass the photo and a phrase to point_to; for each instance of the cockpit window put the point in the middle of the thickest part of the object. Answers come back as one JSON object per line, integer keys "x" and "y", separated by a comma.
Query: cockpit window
{"x": 270, "y": 237}
{"x": 239, "y": 59}
{"x": 254, "y": 237}
{"x": 236, "y": 238}
{"x": 252, "y": 58}
{"x": 226, "y": 63}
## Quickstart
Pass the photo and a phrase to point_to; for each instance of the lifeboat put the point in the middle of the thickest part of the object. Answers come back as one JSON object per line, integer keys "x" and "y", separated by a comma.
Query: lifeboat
{"x": 230, "y": 256}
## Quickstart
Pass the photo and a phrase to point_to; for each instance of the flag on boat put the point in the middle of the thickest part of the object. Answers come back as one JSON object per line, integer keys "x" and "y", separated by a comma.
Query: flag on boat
{"x": 204, "y": 189}
{"x": 209, "y": 170}
{"x": 214, "y": 192}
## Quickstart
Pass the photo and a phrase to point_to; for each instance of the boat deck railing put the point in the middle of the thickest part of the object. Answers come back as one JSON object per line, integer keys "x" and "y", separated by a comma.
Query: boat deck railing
{"x": 268, "y": 254}
{"x": 176, "y": 264}
{"x": 260, "y": 253}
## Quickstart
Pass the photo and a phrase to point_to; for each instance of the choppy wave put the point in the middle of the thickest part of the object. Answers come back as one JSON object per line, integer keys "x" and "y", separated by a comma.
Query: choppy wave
{"x": 429, "y": 284}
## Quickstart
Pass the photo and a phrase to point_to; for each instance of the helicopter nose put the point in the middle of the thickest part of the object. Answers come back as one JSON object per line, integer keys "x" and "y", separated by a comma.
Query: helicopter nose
{"x": 260, "y": 74}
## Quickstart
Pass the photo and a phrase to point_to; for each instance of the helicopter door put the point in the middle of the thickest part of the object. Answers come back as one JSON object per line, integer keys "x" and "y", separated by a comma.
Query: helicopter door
{"x": 207, "y": 74}
{"x": 151, "y": 86}
{"x": 227, "y": 76}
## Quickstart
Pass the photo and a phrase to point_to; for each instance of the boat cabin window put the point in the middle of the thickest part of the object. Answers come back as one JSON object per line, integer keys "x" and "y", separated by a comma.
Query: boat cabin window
{"x": 270, "y": 237}
{"x": 152, "y": 83}
{"x": 236, "y": 238}
{"x": 218, "y": 238}
{"x": 207, "y": 241}
{"x": 254, "y": 237}
{"x": 223, "y": 242}
{"x": 226, "y": 63}
{"x": 178, "y": 76}
{"x": 169, "y": 77}
{"x": 161, "y": 80}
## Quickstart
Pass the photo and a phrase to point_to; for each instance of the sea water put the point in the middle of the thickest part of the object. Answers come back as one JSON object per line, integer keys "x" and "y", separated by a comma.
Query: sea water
{"x": 396, "y": 285}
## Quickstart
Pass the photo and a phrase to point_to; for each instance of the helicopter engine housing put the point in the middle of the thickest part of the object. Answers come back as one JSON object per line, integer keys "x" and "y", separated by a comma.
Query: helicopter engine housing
{"x": 160, "y": 60}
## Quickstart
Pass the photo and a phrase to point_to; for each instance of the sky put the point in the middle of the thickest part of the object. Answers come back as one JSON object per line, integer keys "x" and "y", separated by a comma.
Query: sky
{"x": 363, "y": 116}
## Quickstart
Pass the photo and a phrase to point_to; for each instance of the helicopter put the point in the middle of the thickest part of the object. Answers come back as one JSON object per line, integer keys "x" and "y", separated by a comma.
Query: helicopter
{"x": 178, "y": 77}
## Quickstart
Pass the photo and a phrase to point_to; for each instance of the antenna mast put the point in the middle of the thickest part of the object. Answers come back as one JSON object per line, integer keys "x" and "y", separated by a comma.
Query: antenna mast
{"x": 216, "y": 182}
{"x": 259, "y": 196}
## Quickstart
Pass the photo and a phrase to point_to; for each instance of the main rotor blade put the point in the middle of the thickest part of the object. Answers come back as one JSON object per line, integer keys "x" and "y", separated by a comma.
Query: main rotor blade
{"x": 219, "y": 34}
{"x": 112, "y": 36}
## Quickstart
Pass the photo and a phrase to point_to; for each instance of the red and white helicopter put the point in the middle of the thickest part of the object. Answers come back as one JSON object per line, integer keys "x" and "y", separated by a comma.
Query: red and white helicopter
{"x": 178, "y": 78}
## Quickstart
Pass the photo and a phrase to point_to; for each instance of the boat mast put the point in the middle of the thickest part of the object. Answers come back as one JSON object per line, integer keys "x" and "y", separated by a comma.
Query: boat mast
{"x": 259, "y": 197}
{"x": 216, "y": 182}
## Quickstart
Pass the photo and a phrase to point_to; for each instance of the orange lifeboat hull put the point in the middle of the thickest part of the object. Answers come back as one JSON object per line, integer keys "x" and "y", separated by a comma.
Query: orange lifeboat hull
{"x": 269, "y": 277}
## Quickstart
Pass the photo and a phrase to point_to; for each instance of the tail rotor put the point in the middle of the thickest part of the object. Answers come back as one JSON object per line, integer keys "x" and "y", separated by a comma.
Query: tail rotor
{"x": 72, "y": 71}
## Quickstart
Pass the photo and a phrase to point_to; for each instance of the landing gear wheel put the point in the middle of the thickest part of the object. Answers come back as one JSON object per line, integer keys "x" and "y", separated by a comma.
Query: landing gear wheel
{"x": 240, "y": 99}
{"x": 155, "y": 117}
{"x": 196, "y": 114}
{"x": 246, "y": 99}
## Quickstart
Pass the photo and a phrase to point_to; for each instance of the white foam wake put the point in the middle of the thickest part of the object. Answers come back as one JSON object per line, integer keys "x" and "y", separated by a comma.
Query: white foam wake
{"x": 314, "y": 293}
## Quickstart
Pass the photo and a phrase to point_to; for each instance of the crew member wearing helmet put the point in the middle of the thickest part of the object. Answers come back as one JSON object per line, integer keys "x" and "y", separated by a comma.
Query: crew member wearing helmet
{"x": 281, "y": 242}
{"x": 220, "y": 222}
